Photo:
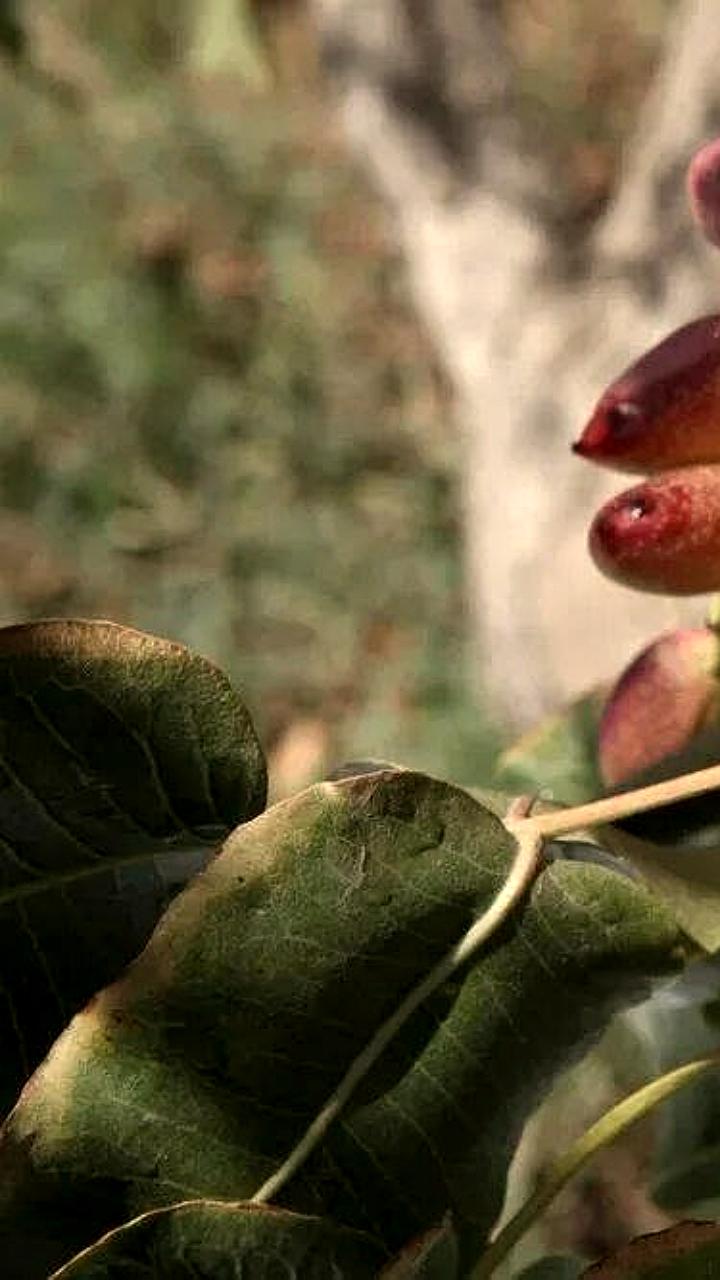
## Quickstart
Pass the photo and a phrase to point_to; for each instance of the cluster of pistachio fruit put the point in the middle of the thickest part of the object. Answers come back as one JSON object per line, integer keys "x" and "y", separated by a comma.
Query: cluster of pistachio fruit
{"x": 661, "y": 418}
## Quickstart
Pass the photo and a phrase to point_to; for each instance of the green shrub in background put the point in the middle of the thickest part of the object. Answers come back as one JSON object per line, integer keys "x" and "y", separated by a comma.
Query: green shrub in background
{"x": 218, "y": 419}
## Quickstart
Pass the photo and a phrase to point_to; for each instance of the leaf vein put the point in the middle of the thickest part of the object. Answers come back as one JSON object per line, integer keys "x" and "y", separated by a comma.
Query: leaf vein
{"x": 53, "y": 731}
{"x": 349, "y": 1129}
{"x": 52, "y": 821}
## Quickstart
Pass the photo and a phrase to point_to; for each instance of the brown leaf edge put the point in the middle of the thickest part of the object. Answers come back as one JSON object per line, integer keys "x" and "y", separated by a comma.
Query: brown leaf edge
{"x": 645, "y": 1253}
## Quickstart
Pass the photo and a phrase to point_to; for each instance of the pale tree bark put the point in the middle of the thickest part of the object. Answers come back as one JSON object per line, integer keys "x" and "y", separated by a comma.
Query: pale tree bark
{"x": 529, "y": 330}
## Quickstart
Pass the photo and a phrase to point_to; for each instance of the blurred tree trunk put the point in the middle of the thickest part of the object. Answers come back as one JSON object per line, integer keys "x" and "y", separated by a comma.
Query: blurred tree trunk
{"x": 530, "y": 326}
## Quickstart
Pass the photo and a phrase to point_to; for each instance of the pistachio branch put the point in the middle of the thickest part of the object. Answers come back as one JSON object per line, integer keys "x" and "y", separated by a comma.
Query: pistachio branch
{"x": 599, "y": 813}
{"x": 530, "y": 833}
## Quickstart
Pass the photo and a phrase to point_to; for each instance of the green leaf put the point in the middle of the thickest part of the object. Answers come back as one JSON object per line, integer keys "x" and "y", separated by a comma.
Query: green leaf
{"x": 124, "y": 760}
{"x": 686, "y": 1151}
{"x": 607, "y": 1129}
{"x": 676, "y": 848}
{"x": 688, "y": 880}
{"x": 558, "y": 758}
{"x": 686, "y": 1251}
{"x": 208, "y": 1240}
{"x": 196, "y": 1073}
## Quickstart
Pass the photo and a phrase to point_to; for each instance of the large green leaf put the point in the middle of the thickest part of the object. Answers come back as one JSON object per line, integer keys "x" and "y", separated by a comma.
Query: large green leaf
{"x": 124, "y": 759}
{"x": 196, "y": 1073}
{"x": 207, "y": 1240}
{"x": 687, "y": 1251}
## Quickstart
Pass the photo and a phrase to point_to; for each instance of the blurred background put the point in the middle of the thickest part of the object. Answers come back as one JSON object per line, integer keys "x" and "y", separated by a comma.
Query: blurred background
{"x": 301, "y": 304}
{"x": 227, "y": 414}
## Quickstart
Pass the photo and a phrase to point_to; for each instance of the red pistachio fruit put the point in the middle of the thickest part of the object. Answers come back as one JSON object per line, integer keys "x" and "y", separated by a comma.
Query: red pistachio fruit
{"x": 703, "y": 184}
{"x": 662, "y": 700}
{"x": 663, "y": 535}
{"x": 664, "y": 411}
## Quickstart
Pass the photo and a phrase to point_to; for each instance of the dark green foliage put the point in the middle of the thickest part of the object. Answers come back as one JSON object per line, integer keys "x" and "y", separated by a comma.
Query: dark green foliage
{"x": 196, "y": 1073}
{"x": 124, "y": 760}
